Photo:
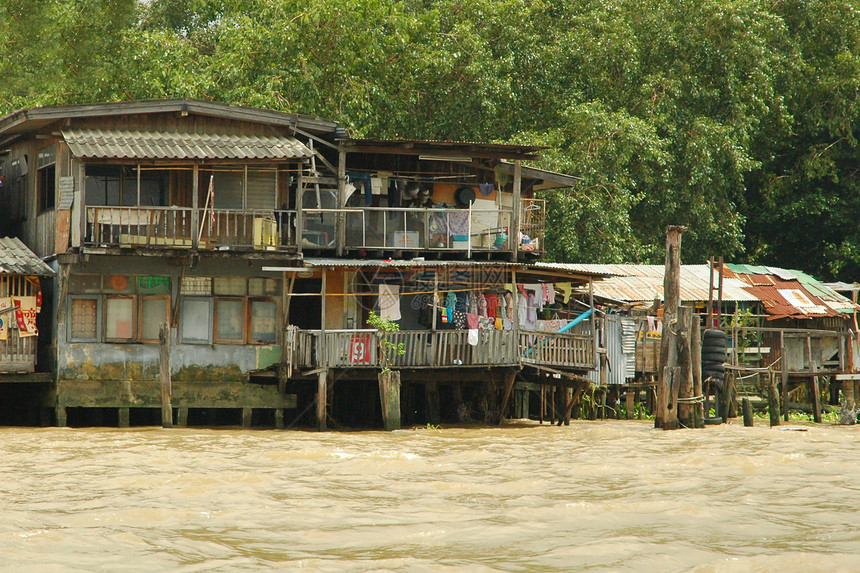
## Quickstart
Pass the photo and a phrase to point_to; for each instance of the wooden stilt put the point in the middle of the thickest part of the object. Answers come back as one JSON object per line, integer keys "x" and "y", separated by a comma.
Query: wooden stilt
{"x": 279, "y": 418}
{"x": 182, "y": 417}
{"x": 629, "y": 402}
{"x": 322, "y": 392}
{"x": 389, "y": 395}
{"x": 748, "y": 413}
{"x": 699, "y": 410}
{"x": 773, "y": 400}
{"x": 164, "y": 372}
{"x": 509, "y": 387}
{"x": 848, "y": 393}
{"x": 816, "y": 401}
{"x": 431, "y": 394}
{"x": 123, "y": 417}
{"x": 247, "y": 416}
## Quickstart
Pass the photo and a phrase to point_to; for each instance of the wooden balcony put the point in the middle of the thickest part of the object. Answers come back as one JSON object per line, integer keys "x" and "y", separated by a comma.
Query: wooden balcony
{"x": 443, "y": 349}
{"x": 183, "y": 228}
{"x": 18, "y": 354}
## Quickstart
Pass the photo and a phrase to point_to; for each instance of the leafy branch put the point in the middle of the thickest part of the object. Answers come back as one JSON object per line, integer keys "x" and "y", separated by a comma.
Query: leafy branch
{"x": 387, "y": 349}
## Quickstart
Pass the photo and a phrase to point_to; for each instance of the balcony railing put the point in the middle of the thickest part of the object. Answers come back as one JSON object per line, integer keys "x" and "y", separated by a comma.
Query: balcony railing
{"x": 177, "y": 227}
{"x": 405, "y": 228}
{"x": 443, "y": 349}
{"x": 17, "y": 354}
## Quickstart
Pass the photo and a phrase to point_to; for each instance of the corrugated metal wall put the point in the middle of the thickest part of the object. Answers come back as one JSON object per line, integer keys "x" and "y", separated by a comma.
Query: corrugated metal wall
{"x": 618, "y": 336}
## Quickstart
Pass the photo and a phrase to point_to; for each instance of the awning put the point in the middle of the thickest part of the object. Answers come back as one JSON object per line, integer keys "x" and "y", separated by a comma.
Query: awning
{"x": 130, "y": 144}
{"x": 17, "y": 259}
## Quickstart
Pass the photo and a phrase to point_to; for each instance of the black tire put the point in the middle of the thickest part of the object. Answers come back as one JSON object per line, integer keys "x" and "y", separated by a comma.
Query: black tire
{"x": 713, "y": 334}
{"x": 714, "y": 347}
{"x": 714, "y": 356}
{"x": 716, "y": 421}
{"x": 713, "y": 376}
{"x": 713, "y": 367}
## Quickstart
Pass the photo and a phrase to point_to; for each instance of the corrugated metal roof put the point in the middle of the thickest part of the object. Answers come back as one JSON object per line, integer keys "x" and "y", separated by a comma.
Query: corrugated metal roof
{"x": 132, "y": 144}
{"x": 17, "y": 259}
{"x": 641, "y": 283}
{"x": 548, "y": 268}
{"x": 790, "y": 293}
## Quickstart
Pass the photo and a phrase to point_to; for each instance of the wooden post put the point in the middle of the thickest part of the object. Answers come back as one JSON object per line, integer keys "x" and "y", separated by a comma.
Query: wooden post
{"x": 516, "y": 207}
{"x": 816, "y": 401}
{"x": 62, "y": 420}
{"x": 431, "y": 394}
{"x": 773, "y": 400}
{"x": 182, "y": 417}
{"x": 247, "y": 416}
{"x": 685, "y": 363}
{"x": 300, "y": 216}
{"x": 666, "y": 415}
{"x": 123, "y": 417}
{"x": 164, "y": 371}
{"x": 748, "y": 413}
{"x": 322, "y": 393}
{"x": 783, "y": 353}
{"x": 389, "y": 397}
{"x": 848, "y": 393}
{"x": 696, "y": 352}
{"x": 629, "y": 402}
{"x": 341, "y": 200}
{"x": 509, "y": 387}
{"x": 195, "y": 205}
{"x": 279, "y": 418}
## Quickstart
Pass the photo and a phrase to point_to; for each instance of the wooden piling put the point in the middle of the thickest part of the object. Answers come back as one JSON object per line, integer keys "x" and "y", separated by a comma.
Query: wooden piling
{"x": 848, "y": 393}
{"x": 816, "y": 401}
{"x": 509, "y": 387}
{"x": 389, "y": 397}
{"x": 123, "y": 416}
{"x": 748, "y": 412}
{"x": 182, "y": 417}
{"x": 696, "y": 355}
{"x": 247, "y": 416}
{"x": 164, "y": 374}
{"x": 431, "y": 395}
{"x": 773, "y": 400}
{"x": 629, "y": 402}
{"x": 322, "y": 393}
{"x": 666, "y": 416}
{"x": 685, "y": 363}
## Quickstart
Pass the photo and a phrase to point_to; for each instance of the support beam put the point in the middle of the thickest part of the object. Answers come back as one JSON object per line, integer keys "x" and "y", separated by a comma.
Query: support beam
{"x": 123, "y": 417}
{"x": 279, "y": 418}
{"x": 431, "y": 395}
{"x": 182, "y": 417}
{"x": 164, "y": 374}
{"x": 61, "y": 416}
{"x": 322, "y": 392}
{"x": 509, "y": 388}
{"x": 247, "y": 416}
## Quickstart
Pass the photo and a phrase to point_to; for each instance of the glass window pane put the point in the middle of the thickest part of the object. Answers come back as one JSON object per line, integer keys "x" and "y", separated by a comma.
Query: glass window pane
{"x": 264, "y": 287}
{"x": 197, "y": 285}
{"x": 263, "y": 321}
{"x": 84, "y": 284}
{"x": 119, "y": 283}
{"x": 195, "y": 319}
{"x": 153, "y": 285}
{"x": 229, "y": 285}
{"x": 119, "y": 318}
{"x": 153, "y": 312}
{"x": 230, "y": 314}
{"x": 84, "y": 319}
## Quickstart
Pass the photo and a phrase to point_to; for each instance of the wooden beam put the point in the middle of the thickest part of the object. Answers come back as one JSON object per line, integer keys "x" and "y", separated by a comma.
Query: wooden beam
{"x": 164, "y": 372}
{"x": 509, "y": 387}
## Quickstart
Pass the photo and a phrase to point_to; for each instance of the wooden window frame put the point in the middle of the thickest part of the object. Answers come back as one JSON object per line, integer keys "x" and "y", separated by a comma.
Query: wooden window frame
{"x": 211, "y": 300}
{"x": 245, "y": 319}
{"x": 141, "y": 299}
{"x": 134, "y": 320}
{"x": 250, "y": 315}
{"x": 98, "y": 299}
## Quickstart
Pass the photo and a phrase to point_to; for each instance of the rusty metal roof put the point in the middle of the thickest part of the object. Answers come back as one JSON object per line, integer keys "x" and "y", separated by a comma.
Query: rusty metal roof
{"x": 791, "y": 294}
{"x": 17, "y": 259}
{"x": 641, "y": 283}
{"x": 133, "y": 144}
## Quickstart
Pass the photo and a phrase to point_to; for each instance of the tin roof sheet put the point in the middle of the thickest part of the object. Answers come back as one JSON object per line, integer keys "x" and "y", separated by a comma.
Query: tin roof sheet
{"x": 640, "y": 283}
{"x": 17, "y": 259}
{"x": 133, "y": 144}
{"x": 790, "y": 293}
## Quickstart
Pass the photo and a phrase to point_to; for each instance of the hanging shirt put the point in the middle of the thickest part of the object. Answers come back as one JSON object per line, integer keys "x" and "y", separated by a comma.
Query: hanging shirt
{"x": 482, "y": 305}
{"x": 550, "y": 293}
{"x": 522, "y": 309}
{"x": 509, "y": 306}
{"x": 451, "y": 300}
{"x": 492, "y": 305}
{"x": 389, "y": 302}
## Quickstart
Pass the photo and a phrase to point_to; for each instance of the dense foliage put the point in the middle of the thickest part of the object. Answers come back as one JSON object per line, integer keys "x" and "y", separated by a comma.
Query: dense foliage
{"x": 735, "y": 118}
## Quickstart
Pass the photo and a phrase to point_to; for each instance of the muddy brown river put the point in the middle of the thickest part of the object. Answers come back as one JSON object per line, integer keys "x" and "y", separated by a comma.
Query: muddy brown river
{"x": 596, "y": 496}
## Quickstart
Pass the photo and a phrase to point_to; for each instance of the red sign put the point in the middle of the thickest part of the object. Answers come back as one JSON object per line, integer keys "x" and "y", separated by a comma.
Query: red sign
{"x": 359, "y": 349}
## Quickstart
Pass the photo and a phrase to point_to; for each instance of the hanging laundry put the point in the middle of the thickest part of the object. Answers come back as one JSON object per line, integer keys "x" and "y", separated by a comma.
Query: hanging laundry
{"x": 462, "y": 302}
{"x": 509, "y": 305}
{"x": 472, "y": 320}
{"x": 389, "y": 302}
{"x": 473, "y": 336}
{"x": 499, "y": 324}
{"x": 565, "y": 289}
{"x": 451, "y": 300}
{"x": 492, "y": 305}
{"x": 473, "y": 303}
{"x": 486, "y": 189}
{"x": 531, "y": 311}
{"x": 482, "y": 305}
{"x": 459, "y": 320}
{"x": 522, "y": 309}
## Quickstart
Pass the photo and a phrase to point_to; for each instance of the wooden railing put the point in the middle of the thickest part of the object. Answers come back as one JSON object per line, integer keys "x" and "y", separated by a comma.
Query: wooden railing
{"x": 554, "y": 349}
{"x": 178, "y": 227}
{"x": 407, "y": 228}
{"x": 443, "y": 349}
{"x": 18, "y": 354}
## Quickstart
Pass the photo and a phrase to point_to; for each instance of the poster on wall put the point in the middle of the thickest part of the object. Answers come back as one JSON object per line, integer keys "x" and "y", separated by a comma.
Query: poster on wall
{"x": 25, "y": 315}
{"x": 5, "y": 316}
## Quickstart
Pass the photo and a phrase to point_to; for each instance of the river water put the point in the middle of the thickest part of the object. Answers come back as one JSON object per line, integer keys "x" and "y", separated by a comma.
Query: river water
{"x": 601, "y": 496}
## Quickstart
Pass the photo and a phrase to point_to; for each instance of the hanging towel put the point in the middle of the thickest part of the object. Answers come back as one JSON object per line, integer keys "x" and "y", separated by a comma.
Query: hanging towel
{"x": 472, "y": 320}
{"x": 389, "y": 302}
{"x": 550, "y": 297}
{"x": 499, "y": 324}
{"x": 522, "y": 309}
{"x": 449, "y": 314}
{"x": 473, "y": 336}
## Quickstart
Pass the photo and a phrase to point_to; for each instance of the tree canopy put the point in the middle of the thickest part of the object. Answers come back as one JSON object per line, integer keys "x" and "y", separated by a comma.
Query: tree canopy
{"x": 735, "y": 118}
